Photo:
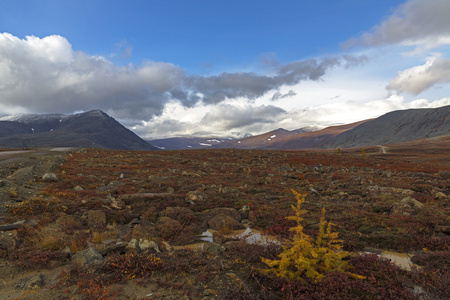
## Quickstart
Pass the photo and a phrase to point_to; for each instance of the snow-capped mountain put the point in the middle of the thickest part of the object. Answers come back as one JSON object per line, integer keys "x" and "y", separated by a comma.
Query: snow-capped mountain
{"x": 90, "y": 129}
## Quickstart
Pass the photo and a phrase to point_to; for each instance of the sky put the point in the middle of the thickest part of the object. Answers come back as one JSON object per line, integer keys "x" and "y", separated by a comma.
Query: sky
{"x": 209, "y": 68}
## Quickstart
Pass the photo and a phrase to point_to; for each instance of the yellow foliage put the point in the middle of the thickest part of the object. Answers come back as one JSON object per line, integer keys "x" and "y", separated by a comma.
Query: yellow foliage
{"x": 305, "y": 257}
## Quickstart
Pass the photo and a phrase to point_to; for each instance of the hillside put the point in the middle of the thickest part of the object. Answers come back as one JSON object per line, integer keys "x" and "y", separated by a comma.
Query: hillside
{"x": 93, "y": 129}
{"x": 309, "y": 140}
{"x": 261, "y": 141}
{"x": 395, "y": 127}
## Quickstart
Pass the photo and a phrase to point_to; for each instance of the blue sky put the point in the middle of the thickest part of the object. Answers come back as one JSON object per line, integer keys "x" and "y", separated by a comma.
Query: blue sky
{"x": 207, "y": 67}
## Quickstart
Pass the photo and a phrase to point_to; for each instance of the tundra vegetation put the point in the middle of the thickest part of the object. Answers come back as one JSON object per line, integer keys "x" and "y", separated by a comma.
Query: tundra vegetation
{"x": 127, "y": 224}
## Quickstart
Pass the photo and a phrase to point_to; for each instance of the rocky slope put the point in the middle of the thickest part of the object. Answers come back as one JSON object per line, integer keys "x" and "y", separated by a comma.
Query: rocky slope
{"x": 395, "y": 127}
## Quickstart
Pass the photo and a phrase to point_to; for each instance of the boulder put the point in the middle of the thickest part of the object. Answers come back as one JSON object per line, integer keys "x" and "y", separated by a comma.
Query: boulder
{"x": 32, "y": 282}
{"x": 8, "y": 242}
{"x": 223, "y": 221}
{"x": 145, "y": 230}
{"x": 244, "y": 211}
{"x": 181, "y": 214}
{"x": 213, "y": 248}
{"x": 50, "y": 177}
{"x": 87, "y": 257}
{"x": 193, "y": 196}
{"x": 407, "y": 206}
{"x": 77, "y": 188}
{"x": 167, "y": 227}
{"x": 141, "y": 245}
{"x": 210, "y": 213}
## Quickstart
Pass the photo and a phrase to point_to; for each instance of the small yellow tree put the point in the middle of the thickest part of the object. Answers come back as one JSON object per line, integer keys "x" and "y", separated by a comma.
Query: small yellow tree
{"x": 304, "y": 256}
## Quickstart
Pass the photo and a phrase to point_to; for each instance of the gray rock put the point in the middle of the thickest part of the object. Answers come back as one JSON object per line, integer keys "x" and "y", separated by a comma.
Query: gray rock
{"x": 244, "y": 211}
{"x": 50, "y": 177}
{"x": 32, "y": 282}
{"x": 213, "y": 248}
{"x": 77, "y": 188}
{"x": 145, "y": 245}
{"x": 87, "y": 257}
{"x": 193, "y": 196}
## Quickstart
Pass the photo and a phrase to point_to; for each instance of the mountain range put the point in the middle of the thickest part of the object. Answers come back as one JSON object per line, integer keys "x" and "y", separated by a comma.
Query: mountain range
{"x": 95, "y": 129}
{"x": 394, "y": 127}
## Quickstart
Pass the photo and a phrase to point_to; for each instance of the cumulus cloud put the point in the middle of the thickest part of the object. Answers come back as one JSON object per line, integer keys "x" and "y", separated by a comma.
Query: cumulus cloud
{"x": 419, "y": 78}
{"x": 416, "y": 22}
{"x": 47, "y": 75}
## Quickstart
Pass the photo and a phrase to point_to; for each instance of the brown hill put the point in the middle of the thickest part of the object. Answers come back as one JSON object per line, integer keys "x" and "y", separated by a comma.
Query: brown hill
{"x": 312, "y": 139}
{"x": 262, "y": 141}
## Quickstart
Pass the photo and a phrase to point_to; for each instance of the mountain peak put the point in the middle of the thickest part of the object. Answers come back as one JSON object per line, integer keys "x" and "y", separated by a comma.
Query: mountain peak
{"x": 96, "y": 113}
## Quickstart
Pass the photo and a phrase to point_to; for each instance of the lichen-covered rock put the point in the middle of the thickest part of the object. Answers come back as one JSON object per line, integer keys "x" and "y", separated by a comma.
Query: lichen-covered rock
{"x": 87, "y": 257}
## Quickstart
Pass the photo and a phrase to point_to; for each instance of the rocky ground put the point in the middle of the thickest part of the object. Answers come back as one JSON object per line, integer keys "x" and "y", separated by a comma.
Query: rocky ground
{"x": 101, "y": 224}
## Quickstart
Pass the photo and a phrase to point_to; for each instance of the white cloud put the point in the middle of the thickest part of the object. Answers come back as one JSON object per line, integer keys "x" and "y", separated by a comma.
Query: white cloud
{"x": 46, "y": 75}
{"x": 419, "y": 78}
{"x": 423, "y": 23}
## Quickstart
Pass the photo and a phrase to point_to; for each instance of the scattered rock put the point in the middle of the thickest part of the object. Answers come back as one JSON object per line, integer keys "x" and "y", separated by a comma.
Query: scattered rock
{"x": 391, "y": 190}
{"x": 87, "y": 257}
{"x": 111, "y": 187}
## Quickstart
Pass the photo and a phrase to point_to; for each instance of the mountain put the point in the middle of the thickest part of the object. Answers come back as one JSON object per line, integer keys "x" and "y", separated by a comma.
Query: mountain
{"x": 312, "y": 139}
{"x": 395, "y": 127}
{"x": 261, "y": 141}
{"x": 92, "y": 129}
